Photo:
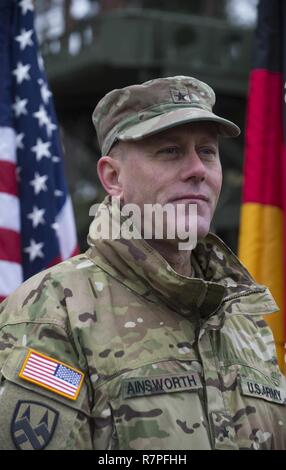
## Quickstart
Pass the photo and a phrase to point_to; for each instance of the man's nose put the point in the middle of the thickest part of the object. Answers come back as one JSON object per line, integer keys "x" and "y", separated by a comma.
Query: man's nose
{"x": 193, "y": 167}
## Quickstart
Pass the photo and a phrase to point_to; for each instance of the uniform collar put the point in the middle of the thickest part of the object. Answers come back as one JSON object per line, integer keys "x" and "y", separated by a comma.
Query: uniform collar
{"x": 140, "y": 267}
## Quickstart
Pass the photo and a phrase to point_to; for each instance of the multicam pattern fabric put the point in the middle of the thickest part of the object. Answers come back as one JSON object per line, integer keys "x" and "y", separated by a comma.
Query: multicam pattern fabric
{"x": 136, "y": 111}
{"x": 170, "y": 362}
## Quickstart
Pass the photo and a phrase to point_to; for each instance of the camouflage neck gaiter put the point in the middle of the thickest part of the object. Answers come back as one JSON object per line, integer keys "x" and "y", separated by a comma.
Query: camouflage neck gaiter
{"x": 221, "y": 273}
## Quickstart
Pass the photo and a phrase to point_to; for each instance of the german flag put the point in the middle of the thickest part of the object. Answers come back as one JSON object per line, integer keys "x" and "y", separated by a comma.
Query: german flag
{"x": 262, "y": 244}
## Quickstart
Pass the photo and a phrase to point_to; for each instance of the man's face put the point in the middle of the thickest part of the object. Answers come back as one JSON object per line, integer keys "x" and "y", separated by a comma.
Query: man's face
{"x": 178, "y": 166}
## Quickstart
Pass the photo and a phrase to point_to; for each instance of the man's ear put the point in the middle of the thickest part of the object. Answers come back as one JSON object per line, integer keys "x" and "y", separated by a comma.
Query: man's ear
{"x": 108, "y": 172}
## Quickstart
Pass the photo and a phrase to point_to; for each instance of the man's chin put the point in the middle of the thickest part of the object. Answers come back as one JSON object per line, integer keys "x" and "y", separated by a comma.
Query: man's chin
{"x": 201, "y": 230}
{"x": 202, "y": 233}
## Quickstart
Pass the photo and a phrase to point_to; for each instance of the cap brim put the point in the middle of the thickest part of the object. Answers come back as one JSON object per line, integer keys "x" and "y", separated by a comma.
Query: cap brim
{"x": 175, "y": 118}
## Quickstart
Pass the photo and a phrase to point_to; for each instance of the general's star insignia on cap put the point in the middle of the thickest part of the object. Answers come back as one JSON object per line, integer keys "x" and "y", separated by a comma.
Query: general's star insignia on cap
{"x": 51, "y": 374}
{"x": 180, "y": 95}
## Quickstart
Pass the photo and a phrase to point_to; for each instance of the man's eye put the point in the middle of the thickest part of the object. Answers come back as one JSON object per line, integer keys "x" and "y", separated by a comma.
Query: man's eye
{"x": 208, "y": 152}
{"x": 170, "y": 150}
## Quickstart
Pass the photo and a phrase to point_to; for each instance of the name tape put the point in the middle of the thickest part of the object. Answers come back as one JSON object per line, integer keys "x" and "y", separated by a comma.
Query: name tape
{"x": 154, "y": 385}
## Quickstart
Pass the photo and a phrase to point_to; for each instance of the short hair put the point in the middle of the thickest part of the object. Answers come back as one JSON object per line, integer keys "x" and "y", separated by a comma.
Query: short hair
{"x": 116, "y": 150}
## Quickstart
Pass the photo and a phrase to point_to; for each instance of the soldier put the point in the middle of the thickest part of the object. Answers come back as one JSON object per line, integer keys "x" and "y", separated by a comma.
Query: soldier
{"x": 137, "y": 344}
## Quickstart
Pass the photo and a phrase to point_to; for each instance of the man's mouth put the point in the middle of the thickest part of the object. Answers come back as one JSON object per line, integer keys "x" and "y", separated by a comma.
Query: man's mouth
{"x": 189, "y": 198}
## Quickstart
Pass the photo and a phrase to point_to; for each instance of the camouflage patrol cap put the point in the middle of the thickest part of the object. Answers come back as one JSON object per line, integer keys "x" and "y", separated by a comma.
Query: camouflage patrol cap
{"x": 138, "y": 111}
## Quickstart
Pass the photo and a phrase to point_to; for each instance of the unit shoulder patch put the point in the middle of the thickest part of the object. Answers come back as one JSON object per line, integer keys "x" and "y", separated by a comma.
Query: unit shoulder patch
{"x": 33, "y": 425}
{"x": 52, "y": 374}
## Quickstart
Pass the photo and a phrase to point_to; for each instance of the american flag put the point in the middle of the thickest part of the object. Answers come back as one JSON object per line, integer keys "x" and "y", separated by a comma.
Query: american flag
{"x": 36, "y": 219}
{"x": 52, "y": 375}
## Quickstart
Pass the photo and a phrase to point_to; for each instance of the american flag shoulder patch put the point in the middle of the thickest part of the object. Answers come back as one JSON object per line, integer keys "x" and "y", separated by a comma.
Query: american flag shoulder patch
{"x": 51, "y": 374}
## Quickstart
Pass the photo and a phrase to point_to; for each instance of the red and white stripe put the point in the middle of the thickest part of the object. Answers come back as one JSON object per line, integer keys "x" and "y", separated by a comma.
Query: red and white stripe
{"x": 11, "y": 274}
{"x": 10, "y": 243}
{"x": 67, "y": 231}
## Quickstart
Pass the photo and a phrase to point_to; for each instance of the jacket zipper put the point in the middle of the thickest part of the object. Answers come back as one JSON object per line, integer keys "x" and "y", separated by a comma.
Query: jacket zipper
{"x": 237, "y": 296}
{"x": 201, "y": 322}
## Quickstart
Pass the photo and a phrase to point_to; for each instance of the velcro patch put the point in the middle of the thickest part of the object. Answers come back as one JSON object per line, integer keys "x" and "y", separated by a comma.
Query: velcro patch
{"x": 266, "y": 392}
{"x": 33, "y": 425}
{"x": 51, "y": 374}
{"x": 180, "y": 95}
{"x": 154, "y": 385}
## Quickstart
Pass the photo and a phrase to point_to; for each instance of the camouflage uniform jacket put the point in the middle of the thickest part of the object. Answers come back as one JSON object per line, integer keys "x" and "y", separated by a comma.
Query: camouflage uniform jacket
{"x": 170, "y": 362}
